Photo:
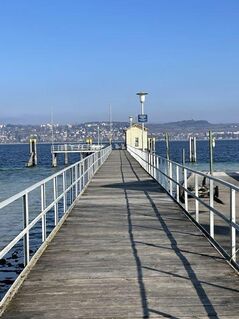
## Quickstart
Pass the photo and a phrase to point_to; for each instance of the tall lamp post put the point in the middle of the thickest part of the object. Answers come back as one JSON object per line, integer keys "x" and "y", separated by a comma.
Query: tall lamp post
{"x": 142, "y": 100}
{"x": 130, "y": 121}
{"x": 98, "y": 131}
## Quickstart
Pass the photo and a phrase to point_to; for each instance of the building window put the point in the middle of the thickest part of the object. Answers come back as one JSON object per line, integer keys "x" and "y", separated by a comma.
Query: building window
{"x": 136, "y": 142}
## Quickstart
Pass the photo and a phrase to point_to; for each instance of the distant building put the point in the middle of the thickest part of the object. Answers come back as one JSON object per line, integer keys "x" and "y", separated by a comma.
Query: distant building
{"x": 134, "y": 136}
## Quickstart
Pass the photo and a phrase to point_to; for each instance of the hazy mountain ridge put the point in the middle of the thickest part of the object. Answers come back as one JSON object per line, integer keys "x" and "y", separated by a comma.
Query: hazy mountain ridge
{"x": 193, "y": 125}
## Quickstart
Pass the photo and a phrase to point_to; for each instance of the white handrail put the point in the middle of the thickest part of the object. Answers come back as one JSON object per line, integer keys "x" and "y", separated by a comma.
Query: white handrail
{"x": 173, "y": 177}
{"x": 67, "y": 185}
{"x": 76, "y": 147}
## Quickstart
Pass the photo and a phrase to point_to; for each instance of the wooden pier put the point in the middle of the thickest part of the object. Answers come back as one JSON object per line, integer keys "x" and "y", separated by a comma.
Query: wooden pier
{"x": 127, "y": 251}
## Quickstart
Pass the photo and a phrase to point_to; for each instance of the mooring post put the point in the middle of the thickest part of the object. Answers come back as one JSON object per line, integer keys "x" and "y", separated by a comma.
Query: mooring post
{"x": 33, "y": 152}
{"x": 183, "y": 156}
{"x": 195, "y": 149}
{"x": 54, "y": 160}
{"x": 192, "y": 149}
{"x": 167, "y": 145}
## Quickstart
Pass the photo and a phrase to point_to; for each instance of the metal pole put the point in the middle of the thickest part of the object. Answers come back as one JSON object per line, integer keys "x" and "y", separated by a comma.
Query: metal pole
{"x": 186, "y": 187}
{"x": 195, "y": 149}
{"x": 183, "y": 156}
{"x": 43, "y": 206}
{"x": 233, "y": 220}
{"x": 130, "y": 121}
{"x": 211, "y": 152}
{"x": 167, "y": 145}
{"x": 142, "y": 112}
{"x": 211, "y": 204}
{"x": 110, "y": 125}
{"x": 177, "y": 185}
{"x": 98, "y": 135}
{"x": 196, "y": 201}
{"x": 26, "y": 243}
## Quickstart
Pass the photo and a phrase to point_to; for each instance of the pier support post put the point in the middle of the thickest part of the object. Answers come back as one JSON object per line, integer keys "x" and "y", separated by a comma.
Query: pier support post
{"x": 66, "y": 155}
{"x": 54, "y": 160}
{"x": 167, "y": 146}
{"x": 192, "y": 149}
{"x": 33, "y": 153}
{"x": 183, "y": 157}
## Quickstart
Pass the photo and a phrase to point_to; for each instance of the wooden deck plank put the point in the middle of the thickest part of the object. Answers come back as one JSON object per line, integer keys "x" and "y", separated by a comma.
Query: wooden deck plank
{"x": 127, "y": 251}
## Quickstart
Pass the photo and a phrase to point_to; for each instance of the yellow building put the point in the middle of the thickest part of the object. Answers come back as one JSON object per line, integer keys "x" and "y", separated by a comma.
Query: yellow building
{"x": 134, "y": 136}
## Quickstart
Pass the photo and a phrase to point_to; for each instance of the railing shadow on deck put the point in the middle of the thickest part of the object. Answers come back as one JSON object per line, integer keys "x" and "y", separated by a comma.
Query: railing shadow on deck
{"x": 137, "y": 186}
{"x": 196, "y": 283}
{"x": 144, "y": 302}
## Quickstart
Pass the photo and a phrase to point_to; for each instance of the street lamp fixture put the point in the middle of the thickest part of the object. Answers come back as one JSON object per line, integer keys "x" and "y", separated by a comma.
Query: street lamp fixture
{"x": 142, "y": 100}
{"x": 142, "y": 97}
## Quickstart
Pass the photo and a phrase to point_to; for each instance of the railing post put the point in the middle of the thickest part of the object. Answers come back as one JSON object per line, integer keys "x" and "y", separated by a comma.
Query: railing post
{"x": 55, "y": 194}
{"x": 25, "y": 224}
{"x": 167, "y": 174}
{"x": 76, "y": 180}
{"x": 71, "y": 183}
{"x": 95, "y": 163}
{"x": 154, "y": 163}
{"x": 186, "y": 187}
{"x": 170, "y": 179}
{"x": 177, "y": 186}
{"x": 150, "y": 164}
{"x": 157, "y": 165}
{"x": 81, "y": 176}
{"x": 88, "y": 169}
{"x": 64, "y": 191}
{"x": 99, "y": 158}
{"x": 92, "y": 166}
{"x": 196, "y": 201}
{"x": 211, "y": 204}
{"x": 161, "y": 165}
{"x": 43, "y": 206}
{"x": 84, "y": 172}
{"x": 233, "y": 220}
{"x": 90, "y": 160}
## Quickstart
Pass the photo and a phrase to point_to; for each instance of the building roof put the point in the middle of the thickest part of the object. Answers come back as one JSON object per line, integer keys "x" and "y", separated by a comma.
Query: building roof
{"x": 137, "y": 126}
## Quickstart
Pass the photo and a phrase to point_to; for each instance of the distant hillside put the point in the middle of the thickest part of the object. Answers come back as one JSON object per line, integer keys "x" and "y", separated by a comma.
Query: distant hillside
{"x": 192, "y": 126}
{"x": 186, "y": 126}
{"x": 181, "y": 125}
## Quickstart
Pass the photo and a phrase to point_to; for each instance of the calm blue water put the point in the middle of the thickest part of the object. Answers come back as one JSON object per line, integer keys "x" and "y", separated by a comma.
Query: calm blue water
{"x": 226, "y": 154}
{"x": 14, "y": 176}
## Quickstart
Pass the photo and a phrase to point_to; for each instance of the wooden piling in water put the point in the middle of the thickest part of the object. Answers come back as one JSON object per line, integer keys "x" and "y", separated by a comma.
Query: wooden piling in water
{"x": 33, "y": 152}
{"x": 192, "y": 149}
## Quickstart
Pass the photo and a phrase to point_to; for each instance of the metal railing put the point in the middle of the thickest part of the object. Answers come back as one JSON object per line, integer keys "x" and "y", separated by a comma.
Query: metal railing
{"x": 198, "y": 194}
{"x": 53, "y": 196}
{"x": 76, "y": 147}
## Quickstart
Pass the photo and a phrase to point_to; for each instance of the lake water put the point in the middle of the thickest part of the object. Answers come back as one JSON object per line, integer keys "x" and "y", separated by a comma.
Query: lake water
{"x": 226, "y": 154}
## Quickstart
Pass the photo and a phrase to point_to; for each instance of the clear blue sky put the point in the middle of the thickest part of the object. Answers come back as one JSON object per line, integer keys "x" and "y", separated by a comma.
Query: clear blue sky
{"x": 78, "y": 56}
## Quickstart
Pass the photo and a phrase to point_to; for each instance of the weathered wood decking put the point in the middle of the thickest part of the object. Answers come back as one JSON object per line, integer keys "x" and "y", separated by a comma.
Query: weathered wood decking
{"x": 127, "y": 251}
